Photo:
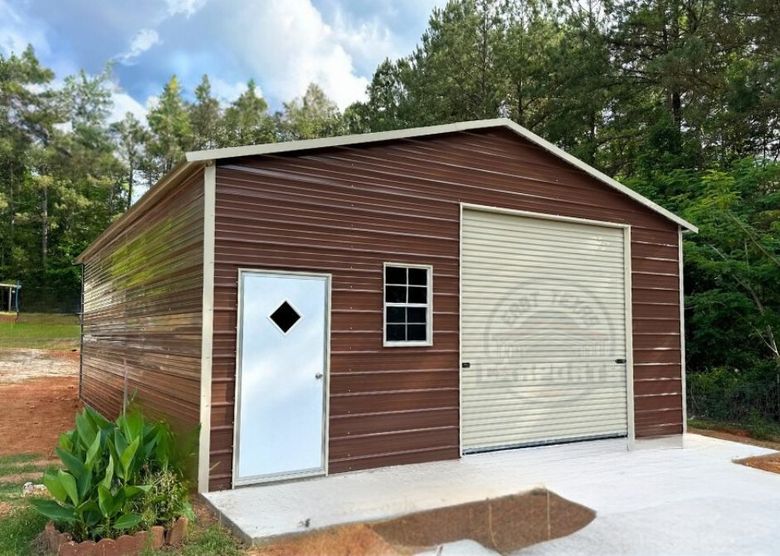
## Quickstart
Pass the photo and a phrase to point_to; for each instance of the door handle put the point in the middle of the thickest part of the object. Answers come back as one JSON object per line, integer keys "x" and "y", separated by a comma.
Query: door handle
{"x": 620, "y": 361}
{"x": 318, "y": 376}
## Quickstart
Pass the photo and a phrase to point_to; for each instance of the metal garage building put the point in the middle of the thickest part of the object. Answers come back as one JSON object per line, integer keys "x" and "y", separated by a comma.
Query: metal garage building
{"x": 370, "y": 300}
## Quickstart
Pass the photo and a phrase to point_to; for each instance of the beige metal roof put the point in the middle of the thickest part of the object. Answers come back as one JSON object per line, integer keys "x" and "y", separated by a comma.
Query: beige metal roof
{"x": 365, "y": 138}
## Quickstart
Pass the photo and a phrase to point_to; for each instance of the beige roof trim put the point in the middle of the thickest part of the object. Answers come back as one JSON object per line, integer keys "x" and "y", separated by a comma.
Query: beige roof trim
{"x": 365, "y": 138}
{"x": 158, "y": 190}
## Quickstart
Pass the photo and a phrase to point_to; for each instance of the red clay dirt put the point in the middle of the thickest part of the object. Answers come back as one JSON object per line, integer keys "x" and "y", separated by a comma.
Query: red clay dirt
{"x": 35, "y": 412}
{"x": 769, "y": 462}
{"x": 503, "y": 524}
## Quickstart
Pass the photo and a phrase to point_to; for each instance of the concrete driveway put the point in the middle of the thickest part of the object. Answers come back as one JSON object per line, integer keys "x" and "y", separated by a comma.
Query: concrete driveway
{"x": 690, "y": 501}
{"x": 655, "y": 499}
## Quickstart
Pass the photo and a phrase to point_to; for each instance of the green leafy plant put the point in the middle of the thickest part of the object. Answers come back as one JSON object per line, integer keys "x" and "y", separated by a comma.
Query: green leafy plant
{"x": 166, "y": 499}
{"x": 105, "y": 464}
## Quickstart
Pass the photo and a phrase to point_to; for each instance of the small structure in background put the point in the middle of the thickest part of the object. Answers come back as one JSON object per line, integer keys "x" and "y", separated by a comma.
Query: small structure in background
{"x": 9, "y": 297}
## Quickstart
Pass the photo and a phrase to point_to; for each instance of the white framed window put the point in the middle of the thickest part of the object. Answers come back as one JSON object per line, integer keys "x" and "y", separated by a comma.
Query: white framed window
{"x": 408, "y": 305}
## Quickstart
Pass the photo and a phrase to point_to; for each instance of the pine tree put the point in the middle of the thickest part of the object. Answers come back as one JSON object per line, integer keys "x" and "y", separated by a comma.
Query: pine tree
{"x": 247, "y": 121}
{"x": 206, "y": 118}
{"x": 171, "y": 129}
{"x": 310, "y": 117}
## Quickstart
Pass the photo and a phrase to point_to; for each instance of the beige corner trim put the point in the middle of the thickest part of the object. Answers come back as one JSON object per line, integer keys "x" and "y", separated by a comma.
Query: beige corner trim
{"x": 207, "y": 330}
{"x": 683, "y": 377}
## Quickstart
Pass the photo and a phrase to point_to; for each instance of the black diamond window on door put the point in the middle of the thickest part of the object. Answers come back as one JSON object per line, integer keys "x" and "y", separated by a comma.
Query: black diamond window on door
{"x": 285, "y": 317}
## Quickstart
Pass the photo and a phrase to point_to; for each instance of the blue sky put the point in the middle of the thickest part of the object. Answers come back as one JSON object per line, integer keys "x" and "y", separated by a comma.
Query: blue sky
{"x": 282, "y": 44}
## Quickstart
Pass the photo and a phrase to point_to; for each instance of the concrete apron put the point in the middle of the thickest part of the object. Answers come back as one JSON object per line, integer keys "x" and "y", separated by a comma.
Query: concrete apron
{"x": 602, "y": 475}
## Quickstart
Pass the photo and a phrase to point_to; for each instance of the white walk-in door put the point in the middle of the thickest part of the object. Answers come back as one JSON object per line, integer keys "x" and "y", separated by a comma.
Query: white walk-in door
{"x": 543, "y": 331}
{"x": 282, "y": 368}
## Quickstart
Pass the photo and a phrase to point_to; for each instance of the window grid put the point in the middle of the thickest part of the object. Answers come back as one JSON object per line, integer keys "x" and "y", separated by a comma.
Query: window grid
{"x": 407, "y": 305}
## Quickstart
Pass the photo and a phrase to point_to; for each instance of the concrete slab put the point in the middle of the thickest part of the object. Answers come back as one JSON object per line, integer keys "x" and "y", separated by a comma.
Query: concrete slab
{"x": 657, "y": 499}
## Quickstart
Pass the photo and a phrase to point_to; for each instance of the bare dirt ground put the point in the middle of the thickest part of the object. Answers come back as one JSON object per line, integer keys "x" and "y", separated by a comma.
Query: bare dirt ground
{"x": 19, "y": 365}
{"x": 769, "y": 462}
{"x": 38, "y": 399}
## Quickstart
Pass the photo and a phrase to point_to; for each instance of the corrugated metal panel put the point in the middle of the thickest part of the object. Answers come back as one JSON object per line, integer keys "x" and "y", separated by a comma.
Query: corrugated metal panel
{"x": 543, "y": 322}
{"x": 142, "y": 311}
{"x": 346, "y": 211}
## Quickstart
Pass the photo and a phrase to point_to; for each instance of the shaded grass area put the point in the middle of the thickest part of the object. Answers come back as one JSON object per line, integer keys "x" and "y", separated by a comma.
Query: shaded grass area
{"x": 20, "y": 524}
{"x": 18, "y": 531}
{"x": 765, "y": 432}
{"x": 39, "y": 331}
{"x": 205, "y": 540}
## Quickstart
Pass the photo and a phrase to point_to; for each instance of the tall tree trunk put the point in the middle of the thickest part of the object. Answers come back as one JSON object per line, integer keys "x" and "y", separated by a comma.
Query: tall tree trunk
{"x": 44, "y": 227}
{"x": 130, "y": 185}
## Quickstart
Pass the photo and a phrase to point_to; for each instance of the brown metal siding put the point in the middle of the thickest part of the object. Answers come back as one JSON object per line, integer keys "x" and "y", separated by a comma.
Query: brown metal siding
{"x": 347, "y": 210}
{"x": 143, "y": 311}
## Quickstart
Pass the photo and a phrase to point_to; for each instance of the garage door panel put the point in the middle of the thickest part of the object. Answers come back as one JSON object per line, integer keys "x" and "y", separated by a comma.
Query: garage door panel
{"x": 547, "y": 436}
{"x": 531, "y": 267}
{"x": 542, "y": 330}
{"x": 537, "y": 253}
{"x": 567, "y": 233}
{"x": 495, "y": 415}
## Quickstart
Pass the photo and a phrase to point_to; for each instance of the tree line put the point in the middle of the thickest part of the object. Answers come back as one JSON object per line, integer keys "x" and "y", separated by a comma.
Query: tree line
{"x": 678, "y": 99}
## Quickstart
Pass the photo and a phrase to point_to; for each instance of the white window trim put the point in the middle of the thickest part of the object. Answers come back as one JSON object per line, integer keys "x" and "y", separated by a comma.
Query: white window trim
{"x": 428, "y": 306}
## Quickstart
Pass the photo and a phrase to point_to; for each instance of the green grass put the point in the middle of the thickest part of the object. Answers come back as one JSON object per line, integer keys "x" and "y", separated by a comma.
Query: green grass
{"x": 204, "y": 541}
{"x": 20, "y": 527}
{"x": 39, "y": 330}
{"x": 213, "y": 539}
{"x": 17, "y": 458}
{"x": 760, "y": 429}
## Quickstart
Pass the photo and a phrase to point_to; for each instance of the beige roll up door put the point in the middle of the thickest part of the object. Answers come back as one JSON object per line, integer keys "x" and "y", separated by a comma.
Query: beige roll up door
{"x": 543, "y": 331}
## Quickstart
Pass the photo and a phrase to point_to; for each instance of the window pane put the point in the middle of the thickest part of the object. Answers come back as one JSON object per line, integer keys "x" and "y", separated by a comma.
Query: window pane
{"x": 418, "y": 276}
{"x": 416, "y": 314}
{"x": 396, "y": 332}
{"x": 416, "y": 332}
{"x": 395, "y": 275}
{"x": 418, "y": 295}
{"x": 396, "y": 314}
{"x": 395, "y": 294}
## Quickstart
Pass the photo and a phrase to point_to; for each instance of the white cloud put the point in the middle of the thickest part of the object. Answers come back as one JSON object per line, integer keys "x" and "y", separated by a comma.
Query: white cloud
{"x": 184, "y": 7}
{"x": 368, "y": 41}
{"x": 141, "y": 42}
{"x": 288, "y": 45}
{"x": 124, "y": 103}
{"x": 226, "y": 91}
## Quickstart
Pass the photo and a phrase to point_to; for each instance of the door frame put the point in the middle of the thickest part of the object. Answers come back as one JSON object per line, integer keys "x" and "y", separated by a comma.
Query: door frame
{"x": 627, "y": 283}
{"x": 235, "y": 482}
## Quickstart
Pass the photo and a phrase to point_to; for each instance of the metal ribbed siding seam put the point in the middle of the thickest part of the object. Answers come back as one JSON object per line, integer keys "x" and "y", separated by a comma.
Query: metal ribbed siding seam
{"x": 143, "y": 311}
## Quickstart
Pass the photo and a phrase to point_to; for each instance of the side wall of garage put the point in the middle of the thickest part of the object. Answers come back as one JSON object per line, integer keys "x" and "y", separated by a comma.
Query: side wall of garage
{"x": 143, "y": 296}
{"x": 348, "y": 210}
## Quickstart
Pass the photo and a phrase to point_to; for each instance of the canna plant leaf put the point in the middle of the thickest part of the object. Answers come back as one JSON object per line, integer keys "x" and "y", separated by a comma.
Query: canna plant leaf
{"x": 54, "y": 511}
{"x": 54, "y": 486}
{"x": 127, "y": 521}
{"x": 68, "y": 484}
{"x": 109, "y": 476}
{"x": 72, "y": 463}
